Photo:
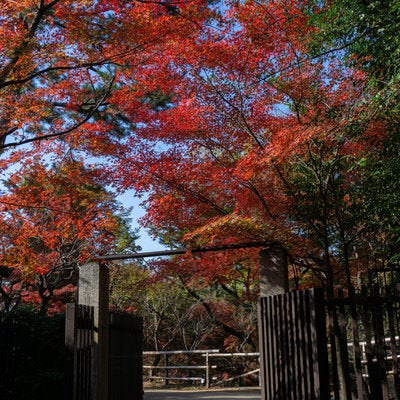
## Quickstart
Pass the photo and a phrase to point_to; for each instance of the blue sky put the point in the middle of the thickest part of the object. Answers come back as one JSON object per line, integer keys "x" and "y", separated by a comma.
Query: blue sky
{"x": 128, "y": 199}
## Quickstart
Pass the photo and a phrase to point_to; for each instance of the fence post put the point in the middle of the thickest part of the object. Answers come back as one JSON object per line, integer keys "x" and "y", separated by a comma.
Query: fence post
{"x": 93, "y": 290}
{"x": 166, "y": 372}
{"x": 208, "y": 372}
{"x": 70, "y": 350}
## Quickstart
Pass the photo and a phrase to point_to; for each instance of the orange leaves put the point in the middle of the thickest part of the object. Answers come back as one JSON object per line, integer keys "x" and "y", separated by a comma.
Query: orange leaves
{"x": 236, "y": 268}
{"x": 254, "y": 124}
{"x": 219, "y": 114}
{"x": 58, "y": 60}
{"x": 49, "y": 209}
{"x": 231, "y": 228}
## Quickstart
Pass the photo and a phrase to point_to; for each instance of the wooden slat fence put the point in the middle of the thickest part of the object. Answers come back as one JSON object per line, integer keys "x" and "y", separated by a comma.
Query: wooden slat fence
{"x": 79, "y": 343}
{"x": 293, "y": 352}
{"x": 366, "y": 329}
{"x": 125, "y": 372}
{"x": 31, "y": 355}
{"x": 346, "y": 347}
{"x": 125, "y": 377}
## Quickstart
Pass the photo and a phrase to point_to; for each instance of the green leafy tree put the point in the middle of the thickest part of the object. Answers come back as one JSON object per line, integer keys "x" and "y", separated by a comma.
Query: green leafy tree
{"x": 365, "y": 34}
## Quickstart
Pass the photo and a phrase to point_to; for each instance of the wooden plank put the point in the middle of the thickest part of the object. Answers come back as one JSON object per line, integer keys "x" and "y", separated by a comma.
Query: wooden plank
{"x": 172, "y": 352}
{"x": 333, "y": 349}
{"x": 70, "y": 359}
{"x": 393, "y": 348}
{"x": 176, "y": 378}
{"x": 222, "y": 355}
{"x": 373, "y": 377}
{"x": 274, "y": 348}
{"x": 304, "y": 367}
{"x": 297, "y": 345}
{"x": 262, "y": 338}
{"x": 309, "y": 344}
{"x": 177, "y": 367}
{"x": 378, "y": 316}
{"x": 80, "y": 372}
{"x": 304, "y": 345}
{"x": 280, "y": 389}
{"x": 321, "y": 345}
{"x": 357, "y": 351}
{"x": 313, "y": 346}
{"x": 294, "y": 344}
{"x": 344, "y": 353}
{"x": 88, "y": 346}
{"x": 285, "y": 348}
{"x": 265, "y": 343}
{"x": 265, "y": 357}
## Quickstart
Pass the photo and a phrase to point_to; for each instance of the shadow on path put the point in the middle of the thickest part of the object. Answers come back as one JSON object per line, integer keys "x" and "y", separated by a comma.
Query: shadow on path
{"x": 201, "y": 395}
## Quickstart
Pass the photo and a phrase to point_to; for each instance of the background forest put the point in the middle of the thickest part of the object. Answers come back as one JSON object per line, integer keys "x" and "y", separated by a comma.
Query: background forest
{"x": 233, "y": 121}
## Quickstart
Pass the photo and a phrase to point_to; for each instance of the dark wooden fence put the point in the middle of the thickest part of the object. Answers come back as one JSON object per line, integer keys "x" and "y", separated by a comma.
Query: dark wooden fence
{"x": 125, "y": 372}
{"x": 293, "y": 346}
{"x": 31, "y": 355}
{"x": 365, "y": 327}
{"x": 346, "y": 347}
{"x": 125, "y": 379}
{"x": 79, "y": 328}
{"x": 8, "y": 358}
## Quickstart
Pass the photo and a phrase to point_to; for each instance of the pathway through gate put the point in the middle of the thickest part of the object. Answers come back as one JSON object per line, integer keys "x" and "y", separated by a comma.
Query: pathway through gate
{"x": 202, "y": 395}
{"x": 107, "y": 370}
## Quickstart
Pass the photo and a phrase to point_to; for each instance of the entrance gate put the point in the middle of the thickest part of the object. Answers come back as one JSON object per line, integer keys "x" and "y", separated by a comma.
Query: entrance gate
{"x": 104, "y": 350}
{"x": 79, "y": 329}
{"x": 115, "y": 342}
{"x": 125, "y": 372}
{"x": 293, "y": 347}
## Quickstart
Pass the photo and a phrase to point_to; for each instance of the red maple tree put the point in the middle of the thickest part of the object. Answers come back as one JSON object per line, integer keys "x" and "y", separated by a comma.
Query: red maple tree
{"x": 66, "y": 69}
{"x": 220, "y": 114}
{"x": 54, "y": 218}
{"x": 259, "y": 140}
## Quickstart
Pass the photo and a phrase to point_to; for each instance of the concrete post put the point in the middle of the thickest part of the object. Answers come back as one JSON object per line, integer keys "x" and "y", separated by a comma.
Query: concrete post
{"x": 274, "y": 277}
{"x": 93, "y": 290}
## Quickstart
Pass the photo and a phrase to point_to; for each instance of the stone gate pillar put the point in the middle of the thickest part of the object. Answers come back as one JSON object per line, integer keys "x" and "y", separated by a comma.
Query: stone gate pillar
{"x": 274, "y": 278}
{"x": 93, "y": 290}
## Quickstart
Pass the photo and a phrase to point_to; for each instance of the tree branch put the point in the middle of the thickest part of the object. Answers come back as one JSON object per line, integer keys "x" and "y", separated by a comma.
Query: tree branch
{"x": 65, "y": 132}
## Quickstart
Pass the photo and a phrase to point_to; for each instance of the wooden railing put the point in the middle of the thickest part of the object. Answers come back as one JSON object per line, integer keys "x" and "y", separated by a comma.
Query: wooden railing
{"x": 198, "y": 366}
